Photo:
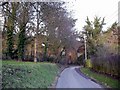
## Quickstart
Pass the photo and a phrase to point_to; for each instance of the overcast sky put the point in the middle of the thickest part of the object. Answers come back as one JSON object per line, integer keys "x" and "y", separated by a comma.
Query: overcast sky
{"x": 92, "y": 8}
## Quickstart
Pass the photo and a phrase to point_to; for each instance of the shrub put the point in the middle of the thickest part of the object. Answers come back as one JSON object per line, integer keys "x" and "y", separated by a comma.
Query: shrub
{"x": 106, "y": 64}
{"x": 51, "y": 58}
{"x": 88, "y": 63}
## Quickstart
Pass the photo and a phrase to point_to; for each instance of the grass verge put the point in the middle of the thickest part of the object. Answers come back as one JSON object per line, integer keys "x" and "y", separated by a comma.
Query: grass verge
{"x": 107, "y": 81}
{"x": 28, "y": 74}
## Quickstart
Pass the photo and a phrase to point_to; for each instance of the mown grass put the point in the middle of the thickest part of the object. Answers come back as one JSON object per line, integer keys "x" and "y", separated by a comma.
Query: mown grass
{"x": 107, "y": 81}
{"x": 28, "y": 74}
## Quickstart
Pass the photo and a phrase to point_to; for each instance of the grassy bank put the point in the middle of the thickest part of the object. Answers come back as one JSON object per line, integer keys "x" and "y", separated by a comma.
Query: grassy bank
{"x": 107, "y": 81}
{"x": 28, "y": 74}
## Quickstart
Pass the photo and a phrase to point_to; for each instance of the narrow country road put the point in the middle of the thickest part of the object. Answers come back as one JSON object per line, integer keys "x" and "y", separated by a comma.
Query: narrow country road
{"x": 69, "y": 78}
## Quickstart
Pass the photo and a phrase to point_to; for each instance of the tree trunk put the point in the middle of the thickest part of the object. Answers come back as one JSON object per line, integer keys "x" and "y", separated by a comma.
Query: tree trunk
{"x": 35, "y": 51}
{"x": 36, "y": 35}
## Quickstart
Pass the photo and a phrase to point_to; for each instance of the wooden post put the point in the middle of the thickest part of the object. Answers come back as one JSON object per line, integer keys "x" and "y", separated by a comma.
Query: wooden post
{"x": 35, "y": 51}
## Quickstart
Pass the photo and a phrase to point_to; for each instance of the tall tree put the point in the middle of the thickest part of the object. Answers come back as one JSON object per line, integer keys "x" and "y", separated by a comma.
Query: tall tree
{"x": 24, "y": 15}
{"x": 59, "y": 24}
{"x": 9, "y": 10}
{"x": 37, "y": 8}
{"x": 92, "y": 31}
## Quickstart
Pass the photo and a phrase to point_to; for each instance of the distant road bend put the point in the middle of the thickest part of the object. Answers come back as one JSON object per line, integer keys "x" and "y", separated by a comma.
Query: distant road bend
{"x": 69, "y": 78}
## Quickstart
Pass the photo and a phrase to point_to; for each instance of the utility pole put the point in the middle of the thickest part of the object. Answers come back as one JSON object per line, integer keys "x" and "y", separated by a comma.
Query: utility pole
{"x": 85, "y": 47}
{"x": 35, "y": 52}
{"x": 119, "y": 13}
{"x": 36, "y": 36}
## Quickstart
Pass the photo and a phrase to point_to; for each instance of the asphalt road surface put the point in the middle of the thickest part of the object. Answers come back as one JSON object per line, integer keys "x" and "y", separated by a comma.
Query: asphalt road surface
{"x": 69, "y": 78}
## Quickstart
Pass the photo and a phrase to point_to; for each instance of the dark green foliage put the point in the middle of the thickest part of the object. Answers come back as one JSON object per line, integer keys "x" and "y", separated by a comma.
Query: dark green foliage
{"x": 10, "y": 29}
{"x": 9, "y": 10}
{"x": 91, "y": 48}
{"x": 21, "y": 44}
{"x": 10, "y": 42}
{"x": 22, "y": 37}
{"x": 80, "y": 60}
{"x": 92, "y": 31}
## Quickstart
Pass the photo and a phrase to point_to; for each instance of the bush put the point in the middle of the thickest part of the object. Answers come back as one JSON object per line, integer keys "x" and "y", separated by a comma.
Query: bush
{"x": 51, "y": 58}
{"x": 107, "y": 64}
{"x": 88, "y": 63}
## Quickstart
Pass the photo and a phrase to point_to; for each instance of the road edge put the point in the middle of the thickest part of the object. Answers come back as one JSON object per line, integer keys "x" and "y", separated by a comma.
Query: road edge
{"x": 62, "y": 68}
{"x": 92, "y": 79}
